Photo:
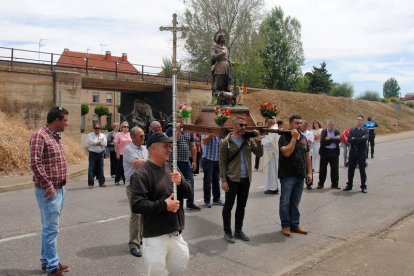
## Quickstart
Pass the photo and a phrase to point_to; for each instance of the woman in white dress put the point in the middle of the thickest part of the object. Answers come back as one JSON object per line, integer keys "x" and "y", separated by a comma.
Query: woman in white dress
{"x": 317, "y": 130}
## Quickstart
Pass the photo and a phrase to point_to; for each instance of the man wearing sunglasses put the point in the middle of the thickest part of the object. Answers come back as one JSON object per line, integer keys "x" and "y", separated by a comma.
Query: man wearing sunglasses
{"x": 96, "y": 147}
{"x": 235, "y": 161}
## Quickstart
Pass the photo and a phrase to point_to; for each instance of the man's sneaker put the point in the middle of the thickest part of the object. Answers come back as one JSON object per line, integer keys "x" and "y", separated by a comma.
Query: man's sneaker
{"x": 218, "y": 202}
{"x": 207, "y": 205}
{"x": 364, "y": 190}
{"x": 299, "y": 230}
{"x": 62, "y": 267}
{"x": 319, "y": 186}
{"x": 241, "y": 236}
{"x": 229, "y": 237}
{"x": 271, "y": 192}
{"x": 193, "y": 207}
{"x": 309, "y": 187}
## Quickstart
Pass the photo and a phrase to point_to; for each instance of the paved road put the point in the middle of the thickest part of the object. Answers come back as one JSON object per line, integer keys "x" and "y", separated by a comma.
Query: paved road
{"x": 94, "y": 226}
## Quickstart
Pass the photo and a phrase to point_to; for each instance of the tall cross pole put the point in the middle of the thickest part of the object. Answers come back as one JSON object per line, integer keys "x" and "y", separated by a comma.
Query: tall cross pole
{"x": 174, "y": 29}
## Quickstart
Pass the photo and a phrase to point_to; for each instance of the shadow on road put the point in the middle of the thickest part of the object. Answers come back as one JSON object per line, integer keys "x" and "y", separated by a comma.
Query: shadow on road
{"x": 105, "y": 251}
{"x": 17, "y": 272}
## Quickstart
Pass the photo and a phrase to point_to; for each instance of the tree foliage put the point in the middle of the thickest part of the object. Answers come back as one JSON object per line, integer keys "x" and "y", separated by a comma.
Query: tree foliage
{"x": 283, "y": 52}
{"x": 84, "y": 109}
{"x": 205, "y": 17}
{"x": 391, "y": 88}
{"x": 370, "y": 95}
{"x": 344, "y": 89}
{"x": 167, "y": 67}
{"x": 320, "y": 79}
{"x": 101, "y": 110}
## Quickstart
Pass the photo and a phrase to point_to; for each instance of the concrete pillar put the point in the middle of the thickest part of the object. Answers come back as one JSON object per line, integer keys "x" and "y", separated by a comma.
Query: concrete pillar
{"x": 67, "y": 93}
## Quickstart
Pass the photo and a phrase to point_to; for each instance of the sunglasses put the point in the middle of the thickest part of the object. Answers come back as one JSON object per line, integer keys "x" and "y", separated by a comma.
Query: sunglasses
{"x": 242, "y": 125}
{"x": 97, "y": 128}
{"x": 125, "y": 126}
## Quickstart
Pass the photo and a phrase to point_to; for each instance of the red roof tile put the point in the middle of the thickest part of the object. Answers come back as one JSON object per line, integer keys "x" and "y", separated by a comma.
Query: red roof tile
{"x": 95, "y": 61}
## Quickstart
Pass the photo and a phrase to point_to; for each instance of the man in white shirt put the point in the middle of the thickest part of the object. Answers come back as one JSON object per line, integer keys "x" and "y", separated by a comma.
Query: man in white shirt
{"x": 96, "y": 147}
{"x": 270, "y": 157}
{"x": 311, "y": 138}
{"x": 135, "y": 155}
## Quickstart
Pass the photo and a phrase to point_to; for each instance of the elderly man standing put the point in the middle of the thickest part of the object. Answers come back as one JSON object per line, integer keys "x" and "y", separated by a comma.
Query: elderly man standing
{"x": 96, "y": 147}
{"x": 49, "y": 166}
{"x": 329, "y": 152}
{"x": 166, "y": 252}
{"x": 135, "y": 155}
{"x": 270, "y": 158}
{"x": 295, "y": 165}
{"x": 236, "y": 174}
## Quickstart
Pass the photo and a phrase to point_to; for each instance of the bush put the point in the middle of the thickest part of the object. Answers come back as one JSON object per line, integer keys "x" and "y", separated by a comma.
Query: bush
{"x": 370, "y": 96}
{"x": 384, "y": 100}
{"x": 84, "y": 109}
{"x": 409, "y": 104}
{"x": 342, "y": 90}
{"x": 395, "y": 100}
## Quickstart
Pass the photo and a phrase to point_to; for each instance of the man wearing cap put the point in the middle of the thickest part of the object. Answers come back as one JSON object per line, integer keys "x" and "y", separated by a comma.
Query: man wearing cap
{"x": 371, "y": 125}
{"x": 166, "y": 252}
{"x": 49, "y": 166}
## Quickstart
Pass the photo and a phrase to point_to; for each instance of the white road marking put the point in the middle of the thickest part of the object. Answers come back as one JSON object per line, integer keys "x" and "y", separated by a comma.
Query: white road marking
{"x": 18, "y": 237}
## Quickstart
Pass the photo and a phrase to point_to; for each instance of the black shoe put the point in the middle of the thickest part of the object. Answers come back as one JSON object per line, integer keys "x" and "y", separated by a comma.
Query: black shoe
{"x": 347, "y": 188}
{"x": 241, "y": 236}
{"x": 309, "y": 187}
{"x": 270, "y": 192}
{"x": 218, "y": 202}
{"x": 208, "y": 205}
{"x": 193, "y": 207}
{"x": 346, "y": 164}
{"x": 229, "y": 237}
{"x": 319, "y": 187}
{"x": 102, "y": 185}
{"x": 335, "y": 187}
{"x": 135, "y": 251}
{"x": 364, "y": 190}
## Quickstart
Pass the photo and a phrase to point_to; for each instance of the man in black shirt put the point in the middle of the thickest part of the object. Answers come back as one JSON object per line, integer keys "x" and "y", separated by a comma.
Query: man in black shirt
{"x": 294, "y": 166}
{"x": 165, "y": 251}
{"x": 357, "y": 138}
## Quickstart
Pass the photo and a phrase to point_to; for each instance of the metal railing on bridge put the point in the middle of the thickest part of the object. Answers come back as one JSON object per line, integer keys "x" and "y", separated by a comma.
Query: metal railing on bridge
{"x": 20, "y": 56}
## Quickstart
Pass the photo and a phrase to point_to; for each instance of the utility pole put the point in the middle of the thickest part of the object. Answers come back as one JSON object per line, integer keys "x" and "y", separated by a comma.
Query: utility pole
{"x": 41, "y": 44}
{"x": 174, "y": 29}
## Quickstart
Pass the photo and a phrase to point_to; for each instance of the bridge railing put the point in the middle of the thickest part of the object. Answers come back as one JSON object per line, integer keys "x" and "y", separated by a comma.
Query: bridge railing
{"x": 91, "y": 65}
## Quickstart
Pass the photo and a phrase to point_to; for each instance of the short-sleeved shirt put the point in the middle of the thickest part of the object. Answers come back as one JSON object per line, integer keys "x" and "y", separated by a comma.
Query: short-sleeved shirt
{"x": 211, "y": 149}
{"x": 294, "y": 165}
{"x": 183, "y": 146}
{"x": 132, "y": 152}
{"x": 122, "y": 139}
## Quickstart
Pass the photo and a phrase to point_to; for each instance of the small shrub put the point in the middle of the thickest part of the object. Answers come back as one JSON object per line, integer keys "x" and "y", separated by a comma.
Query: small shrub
{"x": 395, "y": 100}
{"x": 384, "y": 100}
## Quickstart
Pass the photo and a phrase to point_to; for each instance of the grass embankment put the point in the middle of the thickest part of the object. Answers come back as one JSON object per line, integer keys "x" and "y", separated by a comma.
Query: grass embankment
{"x": 342, "y": 110}
{"x": 14, "y": 146}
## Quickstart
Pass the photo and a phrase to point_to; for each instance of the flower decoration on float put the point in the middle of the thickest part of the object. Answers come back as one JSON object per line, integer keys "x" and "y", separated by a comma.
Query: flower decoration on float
{"x": 269, "y": 110}
{"x": 184, "y": 111}
{"x": 221, "y": 116}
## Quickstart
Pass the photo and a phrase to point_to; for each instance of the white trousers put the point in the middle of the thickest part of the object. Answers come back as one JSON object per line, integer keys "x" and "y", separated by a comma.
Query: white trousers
{"x": 315, "y": 156}
{"x": 271, "y": 174}
{"x": 165, "y": 255}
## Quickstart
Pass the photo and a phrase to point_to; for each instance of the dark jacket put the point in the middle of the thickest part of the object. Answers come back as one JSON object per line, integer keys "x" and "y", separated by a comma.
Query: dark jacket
{"x": 358, "y": 138}
{"x": 322, "y": 149}
{"x": 150, "y": 186}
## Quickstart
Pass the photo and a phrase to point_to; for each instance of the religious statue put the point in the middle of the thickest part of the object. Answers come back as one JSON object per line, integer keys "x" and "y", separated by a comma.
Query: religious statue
{"x": 221, "y": 70}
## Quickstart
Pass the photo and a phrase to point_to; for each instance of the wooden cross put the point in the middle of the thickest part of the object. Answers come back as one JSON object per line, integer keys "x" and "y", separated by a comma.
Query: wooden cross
{"x": 174, "y": 29}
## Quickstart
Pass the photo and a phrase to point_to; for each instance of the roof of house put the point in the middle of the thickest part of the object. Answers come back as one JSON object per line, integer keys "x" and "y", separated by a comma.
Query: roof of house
{"x": 408, "y": 98}
{"x": 105, "y": 62}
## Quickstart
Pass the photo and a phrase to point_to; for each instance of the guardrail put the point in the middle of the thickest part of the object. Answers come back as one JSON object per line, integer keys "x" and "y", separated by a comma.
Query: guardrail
{"x": 21, "y": 56}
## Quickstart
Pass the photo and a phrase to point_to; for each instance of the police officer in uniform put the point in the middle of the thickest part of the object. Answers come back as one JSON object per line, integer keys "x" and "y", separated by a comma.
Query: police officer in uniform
{"x": 371, "y": 125}
{"x": 357, "y": 138}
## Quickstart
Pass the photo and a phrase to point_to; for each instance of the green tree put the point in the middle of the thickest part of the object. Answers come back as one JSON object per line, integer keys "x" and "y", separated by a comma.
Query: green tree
{"x": 283, "y": 52}
{"x": 167, "y": 67}
{"x": 370, "y": 95}
{"x": 101, "y": 110}
{"x": 84, "y": 109}
{"x": 205, "y": 17}
{"x": 344, "y": 89}
{"x": 391, "y": 88}
{"x": 320, "y": 79}
{"x": 302, "y": 83}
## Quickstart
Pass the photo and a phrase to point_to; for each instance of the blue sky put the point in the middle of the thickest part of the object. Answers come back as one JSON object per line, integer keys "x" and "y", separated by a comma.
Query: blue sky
{"x": 363, "y": 42}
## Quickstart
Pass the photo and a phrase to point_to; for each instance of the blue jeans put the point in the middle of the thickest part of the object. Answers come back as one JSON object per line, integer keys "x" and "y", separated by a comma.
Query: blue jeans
{"x": 96, "y": 167}
{"x": 211, "y": 180}
{"x": 345, "y": 152}
{"x": 291, "y": 193}
{"x": 50, "y": 214}
{"x": 187, "y": 171}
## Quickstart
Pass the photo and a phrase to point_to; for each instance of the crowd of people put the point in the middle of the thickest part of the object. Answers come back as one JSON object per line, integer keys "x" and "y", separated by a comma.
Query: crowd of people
{"x": 143, "y": 161}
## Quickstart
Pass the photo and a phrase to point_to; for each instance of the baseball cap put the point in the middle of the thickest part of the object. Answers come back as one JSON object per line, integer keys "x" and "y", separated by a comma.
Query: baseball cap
{"x": 158, "y": 137}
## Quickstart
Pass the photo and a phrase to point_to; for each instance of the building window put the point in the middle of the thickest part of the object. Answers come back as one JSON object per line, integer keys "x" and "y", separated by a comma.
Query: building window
{"x": 109, "y": 98}
{"x": 95, "y": 97}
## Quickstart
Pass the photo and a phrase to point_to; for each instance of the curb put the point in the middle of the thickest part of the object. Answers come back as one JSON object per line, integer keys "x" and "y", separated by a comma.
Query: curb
{"x": 29, "y": 184}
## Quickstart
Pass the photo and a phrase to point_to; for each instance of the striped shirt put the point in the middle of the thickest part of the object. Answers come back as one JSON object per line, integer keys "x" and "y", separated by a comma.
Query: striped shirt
{"x": 211, "y": 149}
{"x": 47, "y": 158}
{"x": 183, "y": 146}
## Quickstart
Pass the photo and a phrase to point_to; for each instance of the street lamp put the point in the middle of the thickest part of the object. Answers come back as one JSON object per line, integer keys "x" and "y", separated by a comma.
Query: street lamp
{"x": 41, "y": 44}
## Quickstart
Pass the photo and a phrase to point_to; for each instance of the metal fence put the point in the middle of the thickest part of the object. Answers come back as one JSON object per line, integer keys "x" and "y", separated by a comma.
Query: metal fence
{"x": 20, "y": 56}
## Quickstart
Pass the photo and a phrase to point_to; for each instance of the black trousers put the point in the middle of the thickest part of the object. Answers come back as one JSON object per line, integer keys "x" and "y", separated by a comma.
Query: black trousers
{"x": 241, "y": 191}
{"x": 331, "y": 157}
{"x": 113, "y": 160}
{"x": 357, "y": 157}
{"x": 119, "y": 172}
{"x": 371, "y": 141}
